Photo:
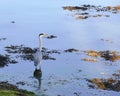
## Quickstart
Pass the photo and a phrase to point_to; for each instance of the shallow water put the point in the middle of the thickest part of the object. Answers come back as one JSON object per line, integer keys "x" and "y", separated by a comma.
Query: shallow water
{"x": 65, "y": 75}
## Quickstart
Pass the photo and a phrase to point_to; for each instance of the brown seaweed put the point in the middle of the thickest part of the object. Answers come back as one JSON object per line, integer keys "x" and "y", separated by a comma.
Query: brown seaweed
{"x": 105, "y": 84}
{"x": 107, "y": 55}
{"x": 86, "y": 11}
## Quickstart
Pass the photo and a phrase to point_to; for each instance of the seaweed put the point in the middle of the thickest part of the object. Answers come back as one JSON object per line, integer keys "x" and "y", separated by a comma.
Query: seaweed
{"x": 86, "y": 11}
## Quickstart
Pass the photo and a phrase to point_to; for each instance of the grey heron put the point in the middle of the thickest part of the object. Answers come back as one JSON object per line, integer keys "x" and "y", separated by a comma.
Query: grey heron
{"x": 38, "y": 54}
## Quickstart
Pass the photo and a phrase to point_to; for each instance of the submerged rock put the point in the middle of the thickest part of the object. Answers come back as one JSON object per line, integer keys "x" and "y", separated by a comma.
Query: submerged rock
{"x": 2, "y": 39}
{"x": 12, "y": 21}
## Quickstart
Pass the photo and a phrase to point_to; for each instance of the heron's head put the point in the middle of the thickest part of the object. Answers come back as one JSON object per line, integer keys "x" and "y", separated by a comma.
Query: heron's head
{"x": 43, "y": 35}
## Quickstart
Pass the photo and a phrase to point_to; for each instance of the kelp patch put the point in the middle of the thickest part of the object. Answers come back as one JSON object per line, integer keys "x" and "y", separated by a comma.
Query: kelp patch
{"x": 107, "y": 55}
{"x": 112, "y": 83}
{"x": 27, "y": 53}
{"x": 5, "y": 60}
{"x": 87, "y": 11}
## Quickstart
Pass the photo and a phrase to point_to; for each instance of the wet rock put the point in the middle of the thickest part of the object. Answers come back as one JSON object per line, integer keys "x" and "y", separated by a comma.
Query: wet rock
{"x": 116, "y": 76}
{"x": 20, "y": 83}
{"x": 19, "y": 49}
{"x": 82, "y": 17}
{"x": 71, "y": 8}
{"x": 108, "y": 55}
{"x": 77, "y": 93}
{"x": 97, "y": 15}
{"x": 98, "y": 83}
{"x": 29, "y": 57}
{"x": 46, "y": 54}
{"x": 47, "y": 57}
{"x": 71, "y": 50}
{"x": 51, "y": 37}
{"x": 84, "y": 13}
{"x": 27, "y": 50}
{"x": 13, "y": 61}
{"x": 13, "y": 48}
{"x": 106, "y": 40}
{"x": 90, "y": 59}
{"x": 54, "y": 51}
{"x": 107, "y": 15}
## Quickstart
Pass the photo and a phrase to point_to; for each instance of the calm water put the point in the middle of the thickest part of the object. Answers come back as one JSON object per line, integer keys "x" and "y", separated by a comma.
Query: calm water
{"x": 66, "y": 74}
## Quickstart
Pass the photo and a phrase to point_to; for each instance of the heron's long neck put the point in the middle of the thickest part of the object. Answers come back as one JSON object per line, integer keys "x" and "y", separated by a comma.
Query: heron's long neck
{"x": 40, "y": 45}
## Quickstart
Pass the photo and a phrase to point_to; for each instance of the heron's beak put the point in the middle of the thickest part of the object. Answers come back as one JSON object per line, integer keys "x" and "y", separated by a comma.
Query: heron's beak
{"x": 46, "y": 35}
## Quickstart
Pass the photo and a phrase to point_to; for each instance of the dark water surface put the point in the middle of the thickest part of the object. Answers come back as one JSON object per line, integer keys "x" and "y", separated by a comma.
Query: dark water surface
{"x": 22, "y": 21}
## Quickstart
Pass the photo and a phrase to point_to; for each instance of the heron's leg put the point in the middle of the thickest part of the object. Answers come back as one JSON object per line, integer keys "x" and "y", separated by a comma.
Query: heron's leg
{"x": 38, "y": 67}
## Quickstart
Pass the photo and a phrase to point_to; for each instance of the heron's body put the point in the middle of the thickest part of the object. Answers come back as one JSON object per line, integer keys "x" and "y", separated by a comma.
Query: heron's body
{"x": 37, "y": 57}
{"x": 38, "y": 54}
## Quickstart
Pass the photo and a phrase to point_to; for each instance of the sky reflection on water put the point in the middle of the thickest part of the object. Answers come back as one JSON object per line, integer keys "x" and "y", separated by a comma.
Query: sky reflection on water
{"x": 34, "y": 17}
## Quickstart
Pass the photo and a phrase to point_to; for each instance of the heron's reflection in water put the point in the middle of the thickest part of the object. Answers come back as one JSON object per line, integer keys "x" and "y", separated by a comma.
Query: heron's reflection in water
{"x": 38, "y": 75}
